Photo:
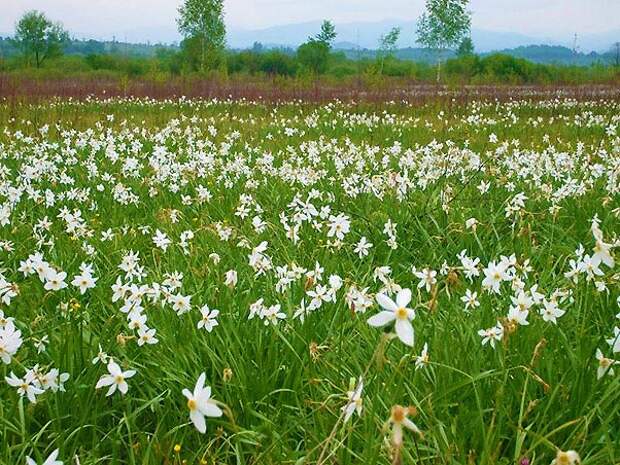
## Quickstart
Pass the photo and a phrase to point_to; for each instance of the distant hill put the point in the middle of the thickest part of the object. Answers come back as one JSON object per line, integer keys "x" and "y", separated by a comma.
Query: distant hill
{"x": 555, "y": 54}
{"x": 366, "y": 35}
{"x": 87, "y": 47}
{"x": 536, "y": 53}
{"x": 559, "y": 55}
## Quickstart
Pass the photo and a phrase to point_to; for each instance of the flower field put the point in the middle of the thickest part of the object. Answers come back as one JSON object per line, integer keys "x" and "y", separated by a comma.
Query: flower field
{"x": 212, "y": 282}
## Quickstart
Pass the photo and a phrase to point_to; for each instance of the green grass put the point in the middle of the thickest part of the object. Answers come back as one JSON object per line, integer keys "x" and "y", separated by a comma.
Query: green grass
{"x": 535, "y": 393}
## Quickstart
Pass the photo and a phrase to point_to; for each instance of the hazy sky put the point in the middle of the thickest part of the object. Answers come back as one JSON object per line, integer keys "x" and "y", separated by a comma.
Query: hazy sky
{"x": 105, "y": 18}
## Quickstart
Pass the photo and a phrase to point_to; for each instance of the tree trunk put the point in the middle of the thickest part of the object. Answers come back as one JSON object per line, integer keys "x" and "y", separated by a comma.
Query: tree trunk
{"x": 438, "y": 67}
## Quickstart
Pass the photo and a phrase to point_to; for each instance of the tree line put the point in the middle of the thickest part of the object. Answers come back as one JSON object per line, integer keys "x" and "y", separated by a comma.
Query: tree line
{"x": 443, "y": 29}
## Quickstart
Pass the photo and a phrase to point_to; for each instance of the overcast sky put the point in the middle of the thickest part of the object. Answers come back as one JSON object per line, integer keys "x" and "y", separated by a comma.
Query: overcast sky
{"x": 105, "y": 18}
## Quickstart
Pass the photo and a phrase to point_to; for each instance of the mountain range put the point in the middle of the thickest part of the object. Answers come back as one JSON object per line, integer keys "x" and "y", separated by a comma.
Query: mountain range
{"x": 365, "y": 35}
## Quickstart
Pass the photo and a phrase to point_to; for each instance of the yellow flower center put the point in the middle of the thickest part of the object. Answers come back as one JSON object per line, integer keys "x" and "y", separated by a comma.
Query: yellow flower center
{"x": 119, "y": 379}
{"x": 191, "y": 404}
{"x": 401, "y": 313}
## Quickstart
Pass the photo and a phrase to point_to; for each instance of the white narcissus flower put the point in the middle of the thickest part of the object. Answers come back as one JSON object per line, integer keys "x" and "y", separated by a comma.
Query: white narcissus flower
{"x": 614, "y": 342}
{"x": 355, "y": 401}
{"x": 147, "y": 336}
{"x": 570, "y": 457}
{"x": 490, "y": 335}
{"x": 115, "y": 379}
{"x": 161, "y": 240}
{"x": 230, "y": 278}
{"x": 10, "y": 341}
{"x": 200, "y": 404}
{"x": 84, "y": 281}
{"x": 51, "y": 460}
{"x": 396, "y": 311}
{"x": 25, "y": 386}
{"x": 55, "y": 281}
{"x": 362, "y": 248}
{"x": 605, "y": 365}
{"x": 518, "y": 316}
{"x": 602, "y": 250}
{"x": 550, "y": 311}
{"x": 471, "y": 223}
{"x": 101, "y": 357}
{"x": 427, "y": 277}
{"x": 209, "y": 319}
{"x": 398, "y": 419}
{"x": 423, "y": 359}
{"x": 494, "y": 274}
{"x": 181, "y": 303}
{"x": 470, "y": 299}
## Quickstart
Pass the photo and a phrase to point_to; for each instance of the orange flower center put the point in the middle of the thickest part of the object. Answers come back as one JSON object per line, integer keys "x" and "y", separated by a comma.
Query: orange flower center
{"x": 398, "y": 414}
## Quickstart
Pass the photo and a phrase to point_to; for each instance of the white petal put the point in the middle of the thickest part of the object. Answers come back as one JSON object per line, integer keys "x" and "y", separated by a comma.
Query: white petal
{"x": 51, "y": 460}
{"x": 404, "y": 331}
{"x": 211, "y": 410}
{"x": 200, "y": 383}
{"x": 381, "y": 319}
{"x": 198, "y": 420}
{"x": 403, "y": 298}
{"x": 114, "y": 369}
{"x": 112, "y": 390}
{"x": 123, "y": 387}
{"x": 407, "y": 423}
{"x": 104, "y": 381}
{"x": 349, "y": 409}
{"x": 358, "y": 389}
{"x": 386, "y": 302}
{"x": 397, "y": 434}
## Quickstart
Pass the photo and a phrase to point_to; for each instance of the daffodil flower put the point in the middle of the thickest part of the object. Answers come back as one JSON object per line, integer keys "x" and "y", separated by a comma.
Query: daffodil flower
{"x": 200, "y": 404}
{"x": 398, "y": 312}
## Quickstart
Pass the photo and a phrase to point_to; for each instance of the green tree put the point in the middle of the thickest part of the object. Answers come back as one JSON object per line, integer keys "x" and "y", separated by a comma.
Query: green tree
{"x": 202, "y": 23}
{"x": 38, "y": 38}
{"x": 314, "y": 55}
{"x": 327, "y": 35}
{"x": 387, "y": 46}
{"x": 443, "y": 25}
{"x": 466, "y": 47}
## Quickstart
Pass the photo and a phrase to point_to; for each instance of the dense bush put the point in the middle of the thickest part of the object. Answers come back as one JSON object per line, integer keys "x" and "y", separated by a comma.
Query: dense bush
{"x": 314, "y": 58}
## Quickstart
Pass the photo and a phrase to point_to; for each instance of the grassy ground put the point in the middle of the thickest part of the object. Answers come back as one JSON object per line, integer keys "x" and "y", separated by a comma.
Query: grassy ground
{"x": 238, "y": 174}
